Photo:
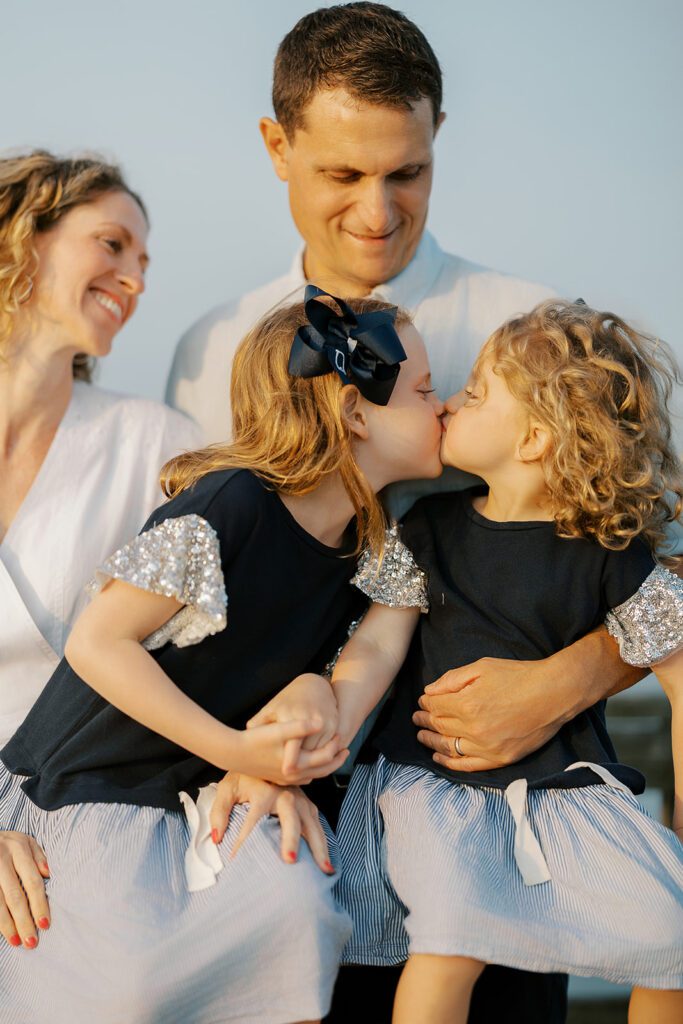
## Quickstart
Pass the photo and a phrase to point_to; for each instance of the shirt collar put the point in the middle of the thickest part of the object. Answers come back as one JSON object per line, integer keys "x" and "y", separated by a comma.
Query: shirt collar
{"x": 408, "y": 288}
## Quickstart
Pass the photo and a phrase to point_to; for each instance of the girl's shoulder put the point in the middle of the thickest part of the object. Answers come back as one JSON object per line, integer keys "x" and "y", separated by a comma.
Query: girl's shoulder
{"x": 442, "y": 508}
{"x": 223, "y": 495}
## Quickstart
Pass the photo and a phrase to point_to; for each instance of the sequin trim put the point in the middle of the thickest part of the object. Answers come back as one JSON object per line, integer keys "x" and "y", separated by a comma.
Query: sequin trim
{"x": 353, "y": 626}
{"x": 397, "y": 581}
{"x": 178, "y": 558}
{"x": 649, "y": 626}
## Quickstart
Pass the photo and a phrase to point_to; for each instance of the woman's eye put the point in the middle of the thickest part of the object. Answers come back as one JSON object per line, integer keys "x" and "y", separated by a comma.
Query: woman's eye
{"x": 114, "y": 244}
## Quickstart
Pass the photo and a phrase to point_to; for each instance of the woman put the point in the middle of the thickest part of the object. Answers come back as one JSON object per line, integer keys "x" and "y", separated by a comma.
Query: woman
{"x": 73, "y": 483}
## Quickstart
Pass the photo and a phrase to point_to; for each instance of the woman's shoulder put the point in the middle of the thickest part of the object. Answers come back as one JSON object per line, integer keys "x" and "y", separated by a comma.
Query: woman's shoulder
{"x": 142, "y": 420}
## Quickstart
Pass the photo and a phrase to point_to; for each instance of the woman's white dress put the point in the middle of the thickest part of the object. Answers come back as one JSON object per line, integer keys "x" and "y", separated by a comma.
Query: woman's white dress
{"x": 96, "y": 487}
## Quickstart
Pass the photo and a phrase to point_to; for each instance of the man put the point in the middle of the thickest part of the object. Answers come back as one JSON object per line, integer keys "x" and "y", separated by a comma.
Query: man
{"x": 357, "y": 97}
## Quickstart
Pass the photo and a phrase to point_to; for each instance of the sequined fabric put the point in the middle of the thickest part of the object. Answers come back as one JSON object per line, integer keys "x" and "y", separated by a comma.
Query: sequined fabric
{"x": 178, "y": 558}
{"x": 649, "y": 626}
{"x": 396, "y": 581}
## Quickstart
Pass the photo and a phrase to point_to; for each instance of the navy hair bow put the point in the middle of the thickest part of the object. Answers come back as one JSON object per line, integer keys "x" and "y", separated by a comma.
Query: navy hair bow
{"x": 363, "y": 348}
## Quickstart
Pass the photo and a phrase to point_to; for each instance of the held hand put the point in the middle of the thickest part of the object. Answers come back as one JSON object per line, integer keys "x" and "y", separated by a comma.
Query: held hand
{"x": 492, "y": 707}
{"x": 298, "y": 816}
{"x": 266, "y": 752}
{"x": 23, "y": 904}
{"x": 309, "y": 698}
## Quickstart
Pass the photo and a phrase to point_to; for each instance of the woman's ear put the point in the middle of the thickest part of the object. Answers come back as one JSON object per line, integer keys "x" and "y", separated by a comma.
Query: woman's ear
{"x": 354, "y": 411}
{"x": 535, "y": 444}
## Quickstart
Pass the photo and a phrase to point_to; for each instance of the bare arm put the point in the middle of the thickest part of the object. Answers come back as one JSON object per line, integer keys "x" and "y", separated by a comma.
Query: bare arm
{"x": 369, "y": 663}
{"x": 105, "y": 649}
{"x": 670, "y": 675}
{"x": 503, "y": 710}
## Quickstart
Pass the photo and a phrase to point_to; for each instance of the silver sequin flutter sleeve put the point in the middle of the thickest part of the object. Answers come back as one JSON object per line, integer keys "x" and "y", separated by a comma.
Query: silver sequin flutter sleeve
{"x": 397, "y": 581}
{"x": 178, "y": 558}
{"x": 649, "y": 626}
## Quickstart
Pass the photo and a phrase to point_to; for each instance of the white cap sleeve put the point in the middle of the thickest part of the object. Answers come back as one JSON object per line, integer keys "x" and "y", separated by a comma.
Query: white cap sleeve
{"x": 397, "y": 580}
{"x": 649, "y": 626}
{"x": 178, "y": 558}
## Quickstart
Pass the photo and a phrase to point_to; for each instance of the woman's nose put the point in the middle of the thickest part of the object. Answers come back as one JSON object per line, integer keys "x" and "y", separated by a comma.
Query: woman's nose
{"x": 132, "y": 277}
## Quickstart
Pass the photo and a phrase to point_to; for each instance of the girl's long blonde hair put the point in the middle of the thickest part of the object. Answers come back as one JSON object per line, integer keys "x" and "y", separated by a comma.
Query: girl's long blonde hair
{"x": 36, "y": 190}
{"x": 288, "y": 430}
{"x": 601, "y": 389}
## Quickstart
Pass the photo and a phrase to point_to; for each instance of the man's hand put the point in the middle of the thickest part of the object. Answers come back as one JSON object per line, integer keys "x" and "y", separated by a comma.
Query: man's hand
{"x": 491, "y": 706}
{"x": 298, "y": 816}
{"x": 23, "y": 903}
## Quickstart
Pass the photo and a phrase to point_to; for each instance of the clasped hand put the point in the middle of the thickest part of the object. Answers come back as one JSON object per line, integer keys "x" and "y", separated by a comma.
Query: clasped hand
{"x": 303, "y": 717}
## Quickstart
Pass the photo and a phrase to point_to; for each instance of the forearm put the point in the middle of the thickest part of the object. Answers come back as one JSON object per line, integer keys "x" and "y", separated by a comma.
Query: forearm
{"x": 124, "y": 673}
{"x": 579, "y": 676}
{"x": 670, "y": 675}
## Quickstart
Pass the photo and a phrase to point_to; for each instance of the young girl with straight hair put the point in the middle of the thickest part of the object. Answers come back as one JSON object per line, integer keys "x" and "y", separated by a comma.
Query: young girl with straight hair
{"x": 235, "y": 585}
{"x": 549, "y": 864}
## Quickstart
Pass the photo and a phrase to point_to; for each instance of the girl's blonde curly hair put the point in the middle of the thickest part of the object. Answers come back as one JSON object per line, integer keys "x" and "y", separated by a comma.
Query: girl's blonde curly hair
{"x": 36, "y": 190}
{"x": 601, "y": 389}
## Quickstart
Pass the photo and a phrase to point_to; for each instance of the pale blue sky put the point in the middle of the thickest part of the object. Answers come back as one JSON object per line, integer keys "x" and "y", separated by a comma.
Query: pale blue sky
{"x": 561, "y": 158}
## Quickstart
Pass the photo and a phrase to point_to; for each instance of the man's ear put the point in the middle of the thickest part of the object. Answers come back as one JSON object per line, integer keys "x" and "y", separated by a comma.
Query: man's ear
{"x": 354, "y": 411}
{"x": 535, "y": 444}
{"x": 277, "y": 144}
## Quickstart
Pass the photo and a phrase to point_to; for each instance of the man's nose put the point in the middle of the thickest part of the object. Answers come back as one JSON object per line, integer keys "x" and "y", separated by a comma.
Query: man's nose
{"x": 375, "y": 206}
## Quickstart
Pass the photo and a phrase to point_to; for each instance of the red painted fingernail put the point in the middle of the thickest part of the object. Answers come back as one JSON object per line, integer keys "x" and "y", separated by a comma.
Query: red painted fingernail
{"x": 14, "y": 940}
{"x": 328, "y": 867}
{"x": 43, "y": 922}
{"x": 214, "y": 835}
{"x": 291, "y": 856}
{"x": 45, "y": 867}
{"x": 31, "y": 942}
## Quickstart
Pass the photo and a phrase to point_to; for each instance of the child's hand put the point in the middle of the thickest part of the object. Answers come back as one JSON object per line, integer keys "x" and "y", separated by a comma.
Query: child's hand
{"x": 309, "y": 697}
{"x": 263, "y": 751}
{"x": 298, "y": 816}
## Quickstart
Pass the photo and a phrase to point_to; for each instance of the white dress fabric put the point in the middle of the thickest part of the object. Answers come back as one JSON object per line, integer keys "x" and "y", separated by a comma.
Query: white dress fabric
{"x": 97, "y": 485}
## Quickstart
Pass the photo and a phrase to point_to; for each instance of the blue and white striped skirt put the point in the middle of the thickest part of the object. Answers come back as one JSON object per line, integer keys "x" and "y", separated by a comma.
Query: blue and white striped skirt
{"x": 429, "y": 866}
{"x": 129, "y": 944}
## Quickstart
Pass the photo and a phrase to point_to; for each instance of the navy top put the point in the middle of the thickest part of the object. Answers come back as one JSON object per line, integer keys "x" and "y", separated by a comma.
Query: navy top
{"x": 508, "y": 590}
{"x": 289, "y": 602}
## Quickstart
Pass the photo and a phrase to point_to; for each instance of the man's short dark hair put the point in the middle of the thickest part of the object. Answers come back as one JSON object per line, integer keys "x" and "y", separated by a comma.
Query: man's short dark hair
{"x": 372, "y": 51}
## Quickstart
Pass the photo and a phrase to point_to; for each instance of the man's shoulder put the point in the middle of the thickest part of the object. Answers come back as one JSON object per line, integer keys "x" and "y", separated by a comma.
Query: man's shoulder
{"x": 231, "y": 320}
{"x": 497, "y": 285}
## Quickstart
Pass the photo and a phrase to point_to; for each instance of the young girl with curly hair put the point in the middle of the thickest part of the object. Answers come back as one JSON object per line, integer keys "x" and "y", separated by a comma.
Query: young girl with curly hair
{"x": 549, "y": 864}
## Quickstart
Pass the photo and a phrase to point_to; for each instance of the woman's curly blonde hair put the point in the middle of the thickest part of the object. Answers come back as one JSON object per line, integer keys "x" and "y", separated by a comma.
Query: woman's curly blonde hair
{"x": 601, "y": 389}
{"x": 36, "y": 190}
{"x": 290, "y": 431}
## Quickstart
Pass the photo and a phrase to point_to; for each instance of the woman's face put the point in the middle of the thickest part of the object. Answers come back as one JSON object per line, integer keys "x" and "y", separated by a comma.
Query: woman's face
{"x": 90, "y": 273}
{"x": 406, "y": 433}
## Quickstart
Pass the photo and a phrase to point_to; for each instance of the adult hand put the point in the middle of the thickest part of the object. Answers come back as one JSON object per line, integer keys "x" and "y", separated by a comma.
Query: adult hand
{"x": 298, "y": 816}
{"x": 23, "y": 904}
{"x": 493, "y": 707}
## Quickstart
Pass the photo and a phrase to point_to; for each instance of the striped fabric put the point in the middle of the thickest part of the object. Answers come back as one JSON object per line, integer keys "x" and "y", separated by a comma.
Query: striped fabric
{"x": 428, "y": 867}
{"x": 130, "y": 945}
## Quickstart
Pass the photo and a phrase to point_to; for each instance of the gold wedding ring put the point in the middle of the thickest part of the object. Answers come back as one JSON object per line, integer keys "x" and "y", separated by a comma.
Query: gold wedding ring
{"x": 458, "y": 749}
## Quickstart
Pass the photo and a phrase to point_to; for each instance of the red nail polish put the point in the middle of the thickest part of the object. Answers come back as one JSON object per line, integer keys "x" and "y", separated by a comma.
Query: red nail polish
{"x": 328, "y": 867}
{"x": 45, "y": 867}
{"x": 214, "y": 835}
{"x": 14, "y": 940}
{"x": 31, "y": 943}
{"x": 43, "y": 922}
{"x": 291, "y": 856}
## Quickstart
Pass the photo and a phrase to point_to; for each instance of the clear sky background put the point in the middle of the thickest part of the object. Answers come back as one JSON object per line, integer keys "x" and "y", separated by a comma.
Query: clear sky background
{"x": 561, "y": 158}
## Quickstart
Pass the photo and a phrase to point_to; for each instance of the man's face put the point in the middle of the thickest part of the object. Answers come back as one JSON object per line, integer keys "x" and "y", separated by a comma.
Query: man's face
{"x": 359, "y": 180}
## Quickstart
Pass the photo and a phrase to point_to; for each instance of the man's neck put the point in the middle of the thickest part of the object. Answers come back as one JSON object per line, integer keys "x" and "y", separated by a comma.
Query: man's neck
{"x": 330, "y": 281}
